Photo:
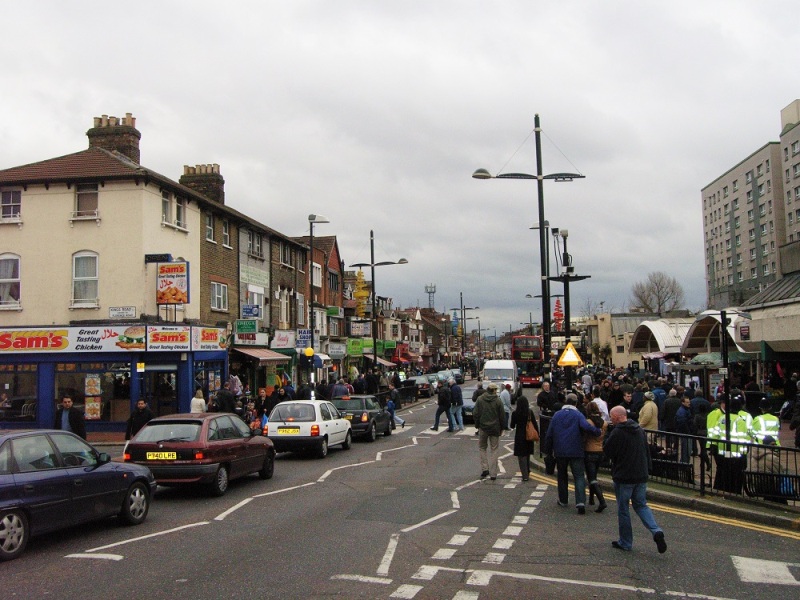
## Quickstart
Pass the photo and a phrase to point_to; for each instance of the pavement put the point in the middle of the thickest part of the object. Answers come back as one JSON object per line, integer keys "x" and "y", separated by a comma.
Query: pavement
{"x": 742, "y": 508}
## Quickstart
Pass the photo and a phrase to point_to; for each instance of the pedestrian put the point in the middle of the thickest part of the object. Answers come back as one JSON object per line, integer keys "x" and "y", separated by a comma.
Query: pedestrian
{"x": 489, "y": 416}
{"x": 443, "y": 397}
{"x": 564, "y": 440}
{"x": 730, "y": 458}
{"x": 627, "y": 448}
{"x": 648, "y": 415}
{"x": 226, "y": 400}
{"x": 198, "y": 403}
{"x": 593, "y": 449}
{"x": 138, "y": 418}
{"x": 69, "y": 418}
{"x": 391, "y": 405}
{"x": 765, "y": 424}
{"x": 546, "y": 399}
{"x": 523, "y": 448}
{"x": 456, "y": 405}
{"x": 505, "y": 398}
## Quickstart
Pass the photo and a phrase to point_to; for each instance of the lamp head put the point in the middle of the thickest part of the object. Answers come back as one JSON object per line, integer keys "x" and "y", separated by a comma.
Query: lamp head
{"x": 309, "y": 352}
{"x": 482, "y": 174}
{"x": 317, "y": 219}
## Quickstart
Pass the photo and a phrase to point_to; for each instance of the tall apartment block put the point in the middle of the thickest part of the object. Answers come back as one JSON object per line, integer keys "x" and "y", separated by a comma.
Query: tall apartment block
{"x": 751, "y": 218}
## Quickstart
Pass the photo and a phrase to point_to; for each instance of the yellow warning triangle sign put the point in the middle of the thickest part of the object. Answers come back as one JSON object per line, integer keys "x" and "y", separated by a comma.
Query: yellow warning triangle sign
{"x": 570, "y": 357}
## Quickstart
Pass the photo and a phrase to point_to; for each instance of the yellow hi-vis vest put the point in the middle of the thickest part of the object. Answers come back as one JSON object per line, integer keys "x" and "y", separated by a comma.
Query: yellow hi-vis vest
{"x": 764, "y": 425}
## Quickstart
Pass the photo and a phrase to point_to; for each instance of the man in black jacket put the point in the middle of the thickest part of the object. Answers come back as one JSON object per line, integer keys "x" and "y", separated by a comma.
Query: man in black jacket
{"x": 443, "y": 406}
{"x": 70, "y": 418}
{"x": 627, "y": 448}
{"x": 139, "y": 417}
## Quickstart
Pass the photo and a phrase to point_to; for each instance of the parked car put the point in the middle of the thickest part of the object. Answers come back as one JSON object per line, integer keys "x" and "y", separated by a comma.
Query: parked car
{"x": 315, "y": 425}
{"x": 423, "y": 385}
{"x": 469, "y": 405}
{"x": 53, "y": 479}
{"x": 202, "y": 448}
{"x": 458, "y": 376}
{"x": 367, "y": 417}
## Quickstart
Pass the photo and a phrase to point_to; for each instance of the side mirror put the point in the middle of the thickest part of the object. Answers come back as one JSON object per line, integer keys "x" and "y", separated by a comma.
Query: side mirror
{"x": 103, "y": 458}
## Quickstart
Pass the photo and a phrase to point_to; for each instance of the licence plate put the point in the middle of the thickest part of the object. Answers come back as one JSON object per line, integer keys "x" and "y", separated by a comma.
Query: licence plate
{"x": 289, "y": 430}
{"x": 349, "y": 417}
{"x": 162, "y": 455}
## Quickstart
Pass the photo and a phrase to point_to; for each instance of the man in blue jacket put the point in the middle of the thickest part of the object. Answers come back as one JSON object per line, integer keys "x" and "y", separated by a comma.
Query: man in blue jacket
{"x": 564, "y": 440}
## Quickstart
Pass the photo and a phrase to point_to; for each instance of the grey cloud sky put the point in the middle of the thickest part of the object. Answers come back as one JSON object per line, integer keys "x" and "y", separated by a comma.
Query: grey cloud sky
{"x": 375, "y": 114}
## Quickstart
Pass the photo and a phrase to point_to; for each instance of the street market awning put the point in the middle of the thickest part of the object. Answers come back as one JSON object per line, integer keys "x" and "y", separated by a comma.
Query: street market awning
{"x": 263, "y": 355}
{"x": 381, "y": 361}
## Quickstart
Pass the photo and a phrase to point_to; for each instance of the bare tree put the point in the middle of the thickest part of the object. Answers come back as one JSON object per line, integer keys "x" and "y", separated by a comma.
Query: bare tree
{"x": 591, "y": 308}
{"x": 659, "y": 293}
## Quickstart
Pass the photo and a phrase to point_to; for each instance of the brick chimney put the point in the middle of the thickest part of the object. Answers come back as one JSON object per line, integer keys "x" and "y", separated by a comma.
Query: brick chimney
{"x": 205, "y": 180}
{"x": 115, "y": 134}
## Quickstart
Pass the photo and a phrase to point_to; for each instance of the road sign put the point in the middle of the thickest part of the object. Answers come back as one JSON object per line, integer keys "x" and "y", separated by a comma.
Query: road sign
{"x": 570, "y": 357}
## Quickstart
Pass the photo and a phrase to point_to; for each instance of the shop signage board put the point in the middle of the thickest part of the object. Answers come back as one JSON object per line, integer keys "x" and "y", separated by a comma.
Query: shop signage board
{"x": 337, "y": 350}
{"x": 121, "y": 312}
{"x": 251, "y": 311}
{"x": 303, "y": 338}
{"x": 172, "y": 283}
{"x": 283, "y": 338}
{"x": 208, "y": 338}
{"x": 170, "y": 338}
{"x": 246, "y": 326}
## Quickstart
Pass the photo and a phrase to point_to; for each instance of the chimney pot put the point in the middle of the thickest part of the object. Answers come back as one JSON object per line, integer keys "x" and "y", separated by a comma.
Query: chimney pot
{"x": 104, "y": 121}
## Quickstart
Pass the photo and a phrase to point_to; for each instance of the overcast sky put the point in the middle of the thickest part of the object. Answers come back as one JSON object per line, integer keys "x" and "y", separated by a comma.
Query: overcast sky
{"x": 375, "y": 114}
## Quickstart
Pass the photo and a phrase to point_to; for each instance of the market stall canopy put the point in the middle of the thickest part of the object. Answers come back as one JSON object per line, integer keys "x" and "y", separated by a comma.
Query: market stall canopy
{"x": 263, "y": 355}
{"x": 664, "y": 336}
{"x": 703, "y": 336}
{"x": 714, "y": 359}
{"x": 381, "y": 361}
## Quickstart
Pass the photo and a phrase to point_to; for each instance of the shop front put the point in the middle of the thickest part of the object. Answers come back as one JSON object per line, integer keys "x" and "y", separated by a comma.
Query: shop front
{"x": 106, "y": 369}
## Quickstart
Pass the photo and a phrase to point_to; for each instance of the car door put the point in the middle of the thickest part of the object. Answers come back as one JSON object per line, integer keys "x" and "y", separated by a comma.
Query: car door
{"x": 97, "y": 490}
{"x": 45, "y": 488}
{"x": 335, "y": 425}
{"x": 252, "y": 447}
{"x": 225, "y": 445}
{"x": 380, "y": 414}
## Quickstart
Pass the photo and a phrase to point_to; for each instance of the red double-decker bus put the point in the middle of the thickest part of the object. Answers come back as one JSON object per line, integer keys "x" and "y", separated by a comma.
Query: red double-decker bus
{"x": 526, "y": 350}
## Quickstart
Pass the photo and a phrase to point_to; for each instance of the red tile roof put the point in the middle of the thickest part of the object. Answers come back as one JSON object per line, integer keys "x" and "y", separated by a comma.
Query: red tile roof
{"x": 87, "y": 164}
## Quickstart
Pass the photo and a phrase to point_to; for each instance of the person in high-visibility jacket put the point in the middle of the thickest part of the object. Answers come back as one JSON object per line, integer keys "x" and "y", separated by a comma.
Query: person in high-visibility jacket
{"x": 765, "y": 424}
{"x": 730, "y": 457}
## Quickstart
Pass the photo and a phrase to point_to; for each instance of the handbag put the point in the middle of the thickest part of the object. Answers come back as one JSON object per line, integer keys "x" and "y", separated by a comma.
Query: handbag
{"x": 531, "y": 434}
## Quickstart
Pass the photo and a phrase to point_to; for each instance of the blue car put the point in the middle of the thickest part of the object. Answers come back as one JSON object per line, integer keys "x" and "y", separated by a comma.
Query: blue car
{"x": 50, "y": 480}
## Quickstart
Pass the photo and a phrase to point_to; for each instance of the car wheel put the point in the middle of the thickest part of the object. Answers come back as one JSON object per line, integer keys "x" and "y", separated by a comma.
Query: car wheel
{"x": 348, "y": 442}
{"x": 220, "y": 484}
{"x": 14, "y": 534}
{"x": 372, "y": 434}
{"x": 388, "y": 431}
{"x": 136, "y": 504}
{"x": 268, "y": 469}
{"x": 322, "y": 451}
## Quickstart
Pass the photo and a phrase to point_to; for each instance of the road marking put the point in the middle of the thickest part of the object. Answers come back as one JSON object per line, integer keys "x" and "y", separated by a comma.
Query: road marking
{"x": 427, "y": 572}
{"x": 494, "y": 558}
{"x": 388, "y": 556}
{"x": 468, "y": 529}
{"x": 100, "y": 556}
{"x": 794, "y": 535}
{"x": 527, "y": 509}
{"x": 503, "y": 544}
{"x": 289, "y": 489}
{"x": 753, "y": 570}
{"x": 458, "y": 540}
{"x": 537, "y": 494}
{"x": 444, "y": 553}
{"x": 512, "y": 531}
{"x": 329, "y": 471}
{"x": 542, "y": 486}
{"x": 222, "y": 515}
{"x": 454, "y": 499}
{"x": 517, "y": 520}
{"x": 406, "y": 591}
{"x": 533, "y": 502}
{"x": 148, "y": 536}
{"x": 363, "y": 579}
{"x": 380, "y": 454}
{"x": 462, "y": 595}
{"x": 483, "y": 578}
{"x": 426, "y": 521}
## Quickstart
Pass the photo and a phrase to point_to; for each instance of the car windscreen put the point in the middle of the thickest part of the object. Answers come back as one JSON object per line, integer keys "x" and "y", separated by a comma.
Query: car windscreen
{"x": 348, "y": 404}
{"x": 499, "y": 374}
{"x": 169, "y": 431}
{"x": 292, "y": 411}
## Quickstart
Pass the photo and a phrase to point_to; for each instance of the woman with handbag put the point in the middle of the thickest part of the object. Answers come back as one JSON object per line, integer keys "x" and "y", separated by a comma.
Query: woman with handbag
{"x": 525, "y": 433}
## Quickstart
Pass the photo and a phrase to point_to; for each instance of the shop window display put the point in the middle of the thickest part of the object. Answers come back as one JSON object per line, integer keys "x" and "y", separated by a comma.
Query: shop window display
{"x": 101, "y": 390}
{"x": 18, "y": 392}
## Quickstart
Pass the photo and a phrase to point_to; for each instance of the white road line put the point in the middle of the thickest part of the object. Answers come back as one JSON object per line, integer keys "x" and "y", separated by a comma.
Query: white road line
{"x": 426, "y": 521}
{"x": 484, "y": 577}
{"x": 222, "y": 515}
{"x": 444, "y": 554}
{"x": 149, "y": 535}
{"x": 289, "y": 489}
{"x": 329, "y": 471}
{"x": 510, "y": 486}
{"x": 527, "y": 509}
{"x": 100, "y": 556}
{"x": 512, "y": 530}
{"x": 462, "y": 595}
{"x": 537, "y": 494}
{"x": 533, "y": 502}
{"x": 466, "y": 485}
{"x": 458, "y": 540}
{"x": 468, "y": 529}
{"x": 363, "y": 579}
{"x": 517, "y": 520}
{"x": 503, "y": 544}
{"x": 494, "y": 558}
{"x": 454, "y": 499}
{"x": 386, "y": 561}
{"x": 542, "y": 486}
{"x": 406, "y": 591}
{"x": 380, "y": 454}
{"x": 752, "y": 570}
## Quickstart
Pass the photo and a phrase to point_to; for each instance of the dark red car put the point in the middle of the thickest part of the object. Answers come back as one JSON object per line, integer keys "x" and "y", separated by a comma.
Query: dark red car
{"x": 201, "y": 448}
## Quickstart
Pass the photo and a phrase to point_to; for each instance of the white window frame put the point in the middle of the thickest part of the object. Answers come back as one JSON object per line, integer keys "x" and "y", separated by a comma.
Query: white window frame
{"x": 219, "y": 296}
{"x": 226, "y": 233}
{"x": 166, "y": 207}
{"x": 180, "y": 213}
{"x": 11, "y": 206}
{"x": 88, "y": 301}
{"x": 284, "y": 312}
{"x": 255, "y": 244}
{"x": 86, "y": 193}
{"x": 209, "y": 225}
{"x": 316, "y": 275}
{"x": 301, "y": 309}
{"x": 10, "y": 284}
{"x": 286, "y": 255}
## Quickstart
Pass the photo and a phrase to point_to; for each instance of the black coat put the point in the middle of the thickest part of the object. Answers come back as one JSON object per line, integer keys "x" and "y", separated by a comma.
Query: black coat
{"x": 76, "y": 421}
{"x": 627, "y": 448}
{"x": 137, "y": 420}
{"x": 519, "y": 418}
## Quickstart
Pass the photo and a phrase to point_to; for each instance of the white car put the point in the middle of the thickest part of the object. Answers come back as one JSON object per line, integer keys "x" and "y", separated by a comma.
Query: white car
{"x": 314, "y": 425}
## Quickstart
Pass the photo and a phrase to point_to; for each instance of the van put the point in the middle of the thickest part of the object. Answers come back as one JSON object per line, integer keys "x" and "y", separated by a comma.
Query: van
{"x": 501, "y": 372}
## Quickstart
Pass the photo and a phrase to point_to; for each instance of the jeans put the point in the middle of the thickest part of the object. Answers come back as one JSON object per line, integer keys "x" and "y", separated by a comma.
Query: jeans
{"x": 524, "y": 466}
{"x": 636, "y": 494}
{"x": 457, "y": 417}
{"x": 440, "y": 410}
{"x": 577, "y": 468}
{"x": 488, "y": 446}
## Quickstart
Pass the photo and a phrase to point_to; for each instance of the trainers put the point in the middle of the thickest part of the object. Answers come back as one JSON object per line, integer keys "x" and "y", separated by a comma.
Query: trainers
{"x": 658, "y": 538}
{"x": 434, "y": 429}
{"x": 403, "y": 424}
{"x": 618, "y": 546}
{"x": 560, "y": 503}
{"x": 581, "y": 509}
{"x": 601, "y": 508}
{"x": 484, "y": 474}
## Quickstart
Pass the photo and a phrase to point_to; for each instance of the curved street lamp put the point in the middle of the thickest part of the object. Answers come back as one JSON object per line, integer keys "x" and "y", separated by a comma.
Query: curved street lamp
{"x": 372, "y": 264}
{"x": 539, "y": 177}
{"x": 312, "y": 219}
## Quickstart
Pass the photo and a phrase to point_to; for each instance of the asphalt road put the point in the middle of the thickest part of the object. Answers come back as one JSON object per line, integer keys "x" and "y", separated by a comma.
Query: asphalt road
{"x": 404, "y": 517}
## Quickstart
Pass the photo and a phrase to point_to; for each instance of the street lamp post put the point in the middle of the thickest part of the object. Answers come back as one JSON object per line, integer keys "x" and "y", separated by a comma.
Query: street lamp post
{"x": 312, "y": 219}
{"x": 544, "y": 260}
{"x": 372, "y": 264}
{"x": 463, "y": 309}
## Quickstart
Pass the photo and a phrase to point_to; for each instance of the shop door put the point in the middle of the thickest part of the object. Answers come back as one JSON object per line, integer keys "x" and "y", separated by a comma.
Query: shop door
{"x": 161, "y": 389}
